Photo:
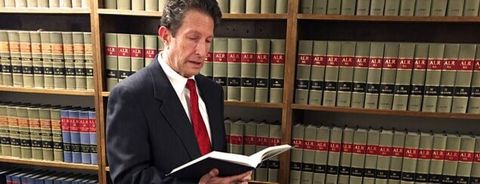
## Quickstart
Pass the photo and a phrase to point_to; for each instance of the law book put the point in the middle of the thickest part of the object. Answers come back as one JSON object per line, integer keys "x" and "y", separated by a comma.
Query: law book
{"x": 374, "y": 75}
{"x": 331, "y": 73}
{"x": 321, "y": 154}
{"x": 418, "y": 77}
{"x": 471, "y": 8}
{"x": 110, "y": 4}
{"x": 474, "y": 100}
{"x": 398, "y": 152}
{"x": 281, "y": 6}
{"x": 407, "y": 7}
{"x": 447, "y": 79}
{"x": 151, "y": 51}
{"x": 308, "y": 157}
{"x": 151, "y": 5}
{"x": 475, "y": 172}
{"x": 392, "y": 8}
{"x": 346, "y": 156}
{"x": 14, "y": 44}
{"x": 4, "y": 45}
{"x": 424, "y": 157}
{"x": 465, "y": 159}
{"x": 24, "y": 132}
{"x": 377, "y": 7}
{"x": 161, "y": 5}
{"x": 433, "y": 76}
{"x": 137, "y": 52}
{"x": 89, "y": 75}
{"x": 296, "y": 156}
{"x": 111, "y": 60}
{"x": 66, "y": 125}
{"x": 79, "y": 60}
{"x": 403, "y": 76}
{"x": 452, "y": 156}
{"x": 234, "y": 52}
{"x": 348, "y": 7}
{"x": 4, "y": 134}
{"x": 17, "y": 72}
{"x": 138, "y": 5}
{"x": 277, "y": 67}
{"x": 92, "y": 131}
{"x": 25, "y": 45}
{"x": 27, "y": 73}
{"x": 227, "y": 163}
{"x": 273, "y": 163}
{"x": 439, "y": 8}
{"x": 262, "y": 70}
{"x": 304, "y": 65}
{"x": 65, "y": 3}
{"x": 249, "y": 138}
{"x": 389, "y": 71}
{"x": 412, "y": 140}
{"x": 75, "y": 138}
{"x": 14, "y": 131}
{"x": 76, "y": 3}
{"x": 35, "y": 41}
{"x": 363, "y": 7}
{"x": 53, "y": 3}
{"x": 42, "y": 3}
{"x": 333, "y": 7}
{"x": 224, "y": 6}
{"x": 207, "y": 69}
{"x": 306, "y": 6}
{"x": 334, "y": 149}
{"x": 220, "y": 63}
{"x": 463, "y": 78}
{"x": 26, "y": 55}
{"x": 423, "y": 8}
{"x": 9, "y": 125}
{"x": 384, "y": 156}
{"x": 236, "y": 137}
{"x": 20, "y": 3}
{"x": 317, "y": 76}
{"x": 59, "y": 78}
{"x": 7, "y": 79}
{"x": 267, "y": 6}
{"x": 35, "y": 130}
{"x": 47, "y": 64}
{"x": 455, "y": 8}
{"x": 124, "y": 4}
{"x": 57, "y": 135}
{"x": 345, "y": 74}
{"x": 247, "y": 69}
{"x": 70, "y": 82}
{"x": 228, "y": 124}
{"x": 371, "y": 156}
{"x": 124, "y": 56}
{"x": 438, "y": 157}
{"x": 237, "y": 6}
{"x": 46, "y": 133}
{"x": 252, "y": 6}
{"x": 358, "y": 156}
{"x": 362, "y": 53}
{"x": 320, "y": 7}
{"x": 263, "y": 132}
{"x": 80, "y": 75}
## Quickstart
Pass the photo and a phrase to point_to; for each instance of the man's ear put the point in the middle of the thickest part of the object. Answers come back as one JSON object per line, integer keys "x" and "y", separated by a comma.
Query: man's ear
{"x": 165, "y": 35}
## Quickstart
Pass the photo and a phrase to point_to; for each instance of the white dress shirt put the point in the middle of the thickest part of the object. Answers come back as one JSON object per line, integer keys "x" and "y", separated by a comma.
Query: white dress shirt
{"x": 179, "y": 85}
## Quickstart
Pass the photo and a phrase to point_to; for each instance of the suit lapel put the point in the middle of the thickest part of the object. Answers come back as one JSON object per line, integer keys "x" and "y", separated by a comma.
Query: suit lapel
{"x": 172, "y": 109}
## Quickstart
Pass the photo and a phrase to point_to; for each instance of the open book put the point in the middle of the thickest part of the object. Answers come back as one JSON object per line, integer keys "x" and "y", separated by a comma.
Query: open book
{"x": 227, "y": 163}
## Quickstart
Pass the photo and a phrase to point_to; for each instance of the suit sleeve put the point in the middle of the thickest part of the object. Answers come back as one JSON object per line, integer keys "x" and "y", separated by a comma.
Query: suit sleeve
{"x": 128, "y": 147}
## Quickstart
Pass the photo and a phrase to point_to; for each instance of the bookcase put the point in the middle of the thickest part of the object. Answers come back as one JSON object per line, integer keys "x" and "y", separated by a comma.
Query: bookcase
{"x": 291, "y": 26}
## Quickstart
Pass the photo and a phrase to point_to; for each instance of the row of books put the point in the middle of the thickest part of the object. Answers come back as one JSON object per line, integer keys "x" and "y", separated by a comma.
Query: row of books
{"x": 50, "y": 133}
{"x": 428, "y": 77}
{"x": 253, "y": 6}
{"x": 325, "y": 154}
{"x": 29, "y": 176}
{"x": 135, "y": 5}
{"x": 46, "y": 59}
{"x": 84, "y": 4}
{"x": 248, "y": 137}
{"x": 391, "y": 7}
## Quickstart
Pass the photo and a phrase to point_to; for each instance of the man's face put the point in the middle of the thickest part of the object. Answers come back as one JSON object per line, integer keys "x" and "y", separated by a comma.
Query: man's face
{"x": 188, "y": 49}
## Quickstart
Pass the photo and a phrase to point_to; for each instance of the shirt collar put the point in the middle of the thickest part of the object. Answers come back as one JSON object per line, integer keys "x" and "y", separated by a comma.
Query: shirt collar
{"x": 178, "y": 81}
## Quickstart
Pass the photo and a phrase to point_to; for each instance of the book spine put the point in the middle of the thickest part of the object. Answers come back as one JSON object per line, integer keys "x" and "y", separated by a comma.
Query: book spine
{"x": 237, "y": 6}
{"x": 26, "y": 62}
{"x": 281, "y": 6}
{"x": 463, "y": 78}
{"x": 321, "y": 154}
{"x": 24, "y": 133}
{"x": 249, "y": 138}
{"x": 27, "y": 73}
{"x": 432, "y": 78}
{"x": 17, "y": 72}
{"x": 333, "y": 7}
{"x": 360, "y": 74}
{"x": 398, "y": 153}
{"x": 439, "y": 7}
{"x": 308, "y": 160}
{"x": 137, "y": 52}
{"x": 263, "y": 131}
{"x": 7, "y": 79}
{"x": 392, "y": 8}
{"x": 220, "y": 63}
{"x": 304, "y": 65}
{"x": 296, "y": 159}
{"x": 452, "y": 156}
{"x": 345, "y": 74}
{"x": 334, "y": 149}
{"x": 424, "y": 157}
{"x": 412, "y": 141}
{"x": 236, "y": 137}
{"x": 83, "y": 125}
{"x": 228, "y": 124}
{"x": 80, "y": 75}
{"x": 46, "y": 60}
{"x": 8, "y": 146}
{"x": 438, "y": 158}
{"x": 407, "y": 7}
{"x": 138, "y": 5}
{"x": 224, "y": 6}
{"x": 466, "y": 155}
{"x": 306, "y": 6}
{"x": 76, "y": 4}
{"x": 57, "y": 136}
{"x": 384, "y": 156}
{"x": 320, "y": 7}
{"x": 37, "y": 70}
{"x": 4, "y": 45}
{"x": 319, "y": 61}
{"x": 13, "y": 127}
{"x": 65, "y": 4}
{"x": 234, "y": 53}
{"x": 151, "y": 51}
{"x": 418, "y": 77}
{"x": 151, "y": 5}
{"x": 474, "y": 99}
{"x": 70, "y": 75}
{"x": 374, "y": 75}
{"x": 403, "y": 76}
{"x": 274, "y": 163}
{"x": 471, "y": 7}
{"x": 20, "y": 3}
{"x": 455, "y": 8}
{"x": 389, "y": 71}
{"x": 161, "y": 5}
{"x": 348, "y": 7}
{"x": 207, "y": 69}
{"x": 331, "y": 73}
{"x": 262, "y": 70}
{"x": 111, "y": 60}
{"x": 447, "y": 80}
{"x": 85, "y": 4}
{"x": 358, "y": 155}
{"x": 124, "y": 56}
{"x": 66, "y": 125}
{"x": 58, "y": 62}
{"x": 35, "y": 132}
{"x": 124, "y": 5}
{"x": 89, "y": 75}
{"x": 42, "y": 3}
{"x": 247, "y": 70}
{"x": 475, "y": 172}
{"x": 422, "y": 8}
{"x": 346, "y": 155}
{"x": 377, "y": 7}
{"x": 267, "y": 6}
{"x": 371, "y": 156}
{"x": 46, "y": 132}
{"x": 4, "y": 131}
{"x": 92, "y": 130}
{"x": 79, "y": 61}
{"x": 277, "y": 68}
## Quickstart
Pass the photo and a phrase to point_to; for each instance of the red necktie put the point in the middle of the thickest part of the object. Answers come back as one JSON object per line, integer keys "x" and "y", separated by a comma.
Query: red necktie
{"x": 197, "y": 120}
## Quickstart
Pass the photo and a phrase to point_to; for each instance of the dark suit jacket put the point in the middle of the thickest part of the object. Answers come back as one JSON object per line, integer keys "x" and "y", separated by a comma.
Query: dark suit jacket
{"x": 148, "y": 131}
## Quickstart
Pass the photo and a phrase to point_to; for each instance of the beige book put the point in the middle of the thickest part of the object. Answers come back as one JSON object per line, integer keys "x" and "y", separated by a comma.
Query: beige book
{"x": 309, "y": 150}
{"x": 42, "y": 3}
{"x": 224, "y": 6}
{"x": 234, "y": 49}
{"x": 9, "y": 3}
{"x": 27, "y": 73}
{"x": 237, "y": 6}
{"x": 80, "y": 75}
{"x": 274, "y": 163}
{"x": 124, "y": 56}
{"x": 53, "y": 3}
{"x": 262, "y": 70}
{"x": 263, "y": 131}
{"x": 281, "y": 6}
{"x": 70, "y": 75}
{"x": 252, "y": 6}
{"x": 124, "y": 4}
{"x": 78, "y": 46}
{"x": 236, "y": 136}
{"x": 150, "y": 48}
{"x": 24, "y": 132}
{"x": 85, "y": 4}
{"x": 17, "y": 73}
{"x": 76, "y": 3}
{"x": 321, "y": 154}
{"x": 65, "y": 3}
{"x": 151, "y": 5}
{"x": 20, "y": 3}
{"x": 89, "y": 75}
{"x": 138, "y": 5}
{"x": 25, "y": 45}
{"x": 277, "y": 70}
{"x": 35, "y": 132}
{"x": 267, "y": 6}
{"x": 110, "y": 4}
{"x": 296, "y": 157}
{"x": 31, "y": 3}
{"x": 46, "y": 133}
{"x": 137, "y": 52}
{"x": 161, "y": 5}
{"x": 111, "y": 60}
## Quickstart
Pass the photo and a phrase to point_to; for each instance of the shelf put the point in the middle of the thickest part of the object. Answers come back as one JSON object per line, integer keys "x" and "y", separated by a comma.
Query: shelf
{"x": 389, "y": 18}
{"x": 255, "y": 16}
{"x": 386, "y": 112}
{"x": 45, "y": 10}
{"x": 51, "y": 164}
{"x": 46, "y": 91}
{"x": 129, "y": 13}
{"x": 105, "y": 94}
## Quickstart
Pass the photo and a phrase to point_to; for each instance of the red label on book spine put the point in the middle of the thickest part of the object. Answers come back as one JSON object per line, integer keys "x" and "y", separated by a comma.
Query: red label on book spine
{"x": 335, "y": 147}
{"x": 124, "y": 52}
{"x": 304, "y": 59}
{"x": 247, "y": 58}
{"x": 385, "y": 150}
{"x": 298, "y": 143}
{"x": 465, "y": 65}
{"x": 332, "y": 60}
{"x": 438, "y": 154}
{"x": 234, "y": 139}
{"x": 476, "y": 66}
{"x": 361, "y": 62}
{"x": 405, "y": 63}
{"x": 451, "y": 155}
{"x": 360, "y": 149}
{"x": 263, "y": 58}
{"x": 111, "y": 51}
{"x": 321, "y": 146}
{"x": 375, "y": 63}
{"x": 138, "y": 53}
{"x": 219, "y": 57}
{"x": 424, "y": 154}
{"x": 310, "y": 145}
{"x": 449, "y": 64}
{"x": 420, "y": 64}
{"x": 372, "y": 149}
{"x": 262, "y": 141}
{"x": 278, "y": 58}
{"x": 209, "y": 57}
{"x": 466, "y": 156}
{"x": 435, "y": 64}
{"x": 397, "y": 152}
{"x": 347, "y": 148}
{"x": 150, "y": 53}
{"x": 273, "y": 141}
{"x": 234, "y": 57}
{"x": 390, "y": 63}
{"x": 411, "y": 153}
{"x": 249, "y": 140}
{"x": 347, "y": 61}
{"x": 476, "y": 157}
{"x": 319, "y": 60}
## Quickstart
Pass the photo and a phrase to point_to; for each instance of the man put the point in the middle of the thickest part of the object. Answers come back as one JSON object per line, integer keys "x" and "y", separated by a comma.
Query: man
{"x": 166, "y": 114}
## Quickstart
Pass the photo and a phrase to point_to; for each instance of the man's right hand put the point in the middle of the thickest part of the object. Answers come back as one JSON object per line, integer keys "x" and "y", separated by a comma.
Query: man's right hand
{"x": 213, "y": 178}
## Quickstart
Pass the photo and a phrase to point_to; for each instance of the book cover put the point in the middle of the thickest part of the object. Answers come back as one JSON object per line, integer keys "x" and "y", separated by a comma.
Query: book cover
{"x": 432, "y": 78}
{"x": 422, "y": 8}
{"x": 24, "y": 133}
{"x": 465, "y": 160}
{"x": 358, "y": 155}
{"x": 66, "y": 125}
{"x": 306, "y": 6}
{"x": 267, "y": 6}
{"x": 151, "y": 50}
{"x": 151, "y": 5}
{"x": 4, "y": 131}
{"x": 438, "y": 157}
{"x": 319, "y": 61}
{"x": 389, "y": 71}
{"x": 65, "y": 3}
{"x": 304, "y": 65}
{"x": 207, "y": 69}
{"x": 124, "y": 56}
{"x": 57, "y": 135}
{"x": 124, "y": 4}
{"x": 471, "y": 7}
{"x": 403, "y": 76}
{"x": 309, "y": 150}
{"x": 236, "y": 137}
{"x": 407, "y": 7}
{"x": 252, "y": 6}
{"x": 452, "y": 156}
{"x": 392, "y": 7}
{"x": 333, "y": 7}
{"x": 237, "y": 6}
{"x": 35, "y": 130}
{"x": 83, "y": 128}
{"x": 331, "y": 73}
{"x": 247, "y": 70}
{"x": 455, "y": 8}
{"x": 475, "y": 172}
{"x": 111, "y": 60}
{"x": 439, "y": 8}
{"x": 474, "y": 100}
{"x": 281, "y": 6}
{"x": 334, "y": 150}
{"x": 224, "y": 6}
{"x": 463, "y": 78}
{"x": 377, "y": 7}
{"x": 321, "y": 154}
{"x": 137, "y": 52}
{"x": 348, "y": 7}
{"x": 384, "y": 156}
{"x": 424, "y": 156}
{"x": 234, "y": 52}
{"x": 418, "y": 77}
{"x": 138, "y": 5}
{"x": 276, "y": 71}
{"x": 345, "y": 74}
{"x": 371, "y": 156}
{"x": 46, "y": 133}
{"x": 374, "y": 75}
{"x": 273, "y": 163}
{"x": 92, "y": 130}
{"x": 249, "y": 138}
{"x": 412, "y": 140}
{"x": 220, "y": 63}
{"x": 14, "y": 128}
{"x": 362, "y": 55}
{"x": 447, "y": 79}
{"x": 320, "y": 7}
{"x": 263, "y": 132}
{"x": 398, "y": 153}
{"x": 296, "y": 156}
{"x": 262, "y": 70}
{"x": 346, "y": 156}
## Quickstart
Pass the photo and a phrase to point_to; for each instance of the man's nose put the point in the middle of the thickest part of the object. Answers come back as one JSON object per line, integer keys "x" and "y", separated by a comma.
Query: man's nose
{"x": 202, "y": 49}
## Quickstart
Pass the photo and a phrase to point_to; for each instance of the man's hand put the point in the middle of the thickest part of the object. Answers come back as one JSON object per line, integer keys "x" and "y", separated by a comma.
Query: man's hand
{"x": 213, "y": 178}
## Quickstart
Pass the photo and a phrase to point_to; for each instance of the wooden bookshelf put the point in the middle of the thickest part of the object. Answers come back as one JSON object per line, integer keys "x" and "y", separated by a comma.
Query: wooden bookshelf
{"x": 51, "y": 164}
{"x": 46, "y": 91}
{"x": 129, "y": 13}
{"x": 45, "y": 10}
{"x": 254, "y": 16}
{"x": 107, "y": 168}
{"x": 389, "y": 18}
{"x": 253, "y": 104}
